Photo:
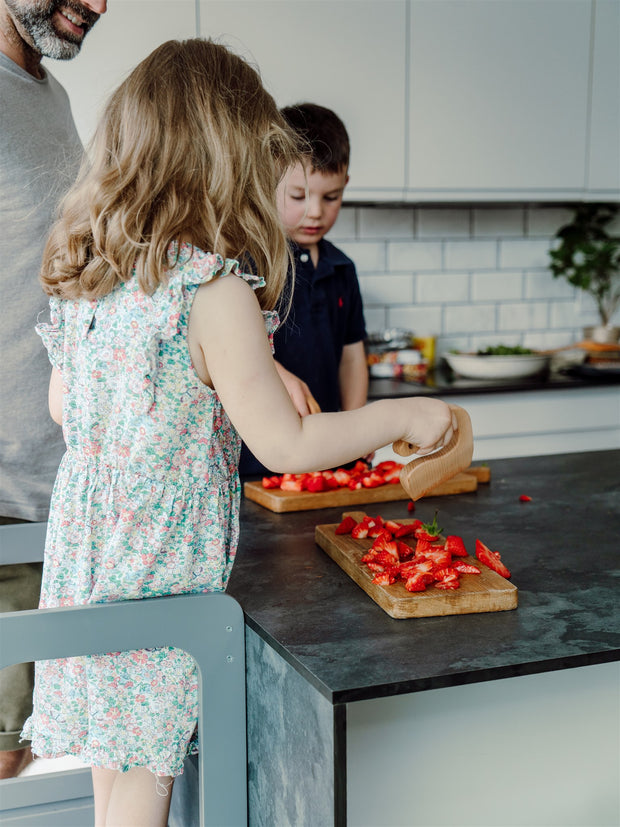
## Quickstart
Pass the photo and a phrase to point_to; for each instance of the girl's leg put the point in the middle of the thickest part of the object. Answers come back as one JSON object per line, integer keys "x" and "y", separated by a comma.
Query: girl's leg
{"x": 136, "y": 798}
{"x": 103, "y": 781}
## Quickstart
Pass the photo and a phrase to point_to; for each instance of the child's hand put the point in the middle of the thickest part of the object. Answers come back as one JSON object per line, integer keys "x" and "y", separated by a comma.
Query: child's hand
{"x": 431, "y": 424}
{"x": 299, "y": 392}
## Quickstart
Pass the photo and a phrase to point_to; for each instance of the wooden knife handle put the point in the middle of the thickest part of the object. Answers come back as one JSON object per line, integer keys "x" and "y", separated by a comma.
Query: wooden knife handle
{"x": 424, "y": 473}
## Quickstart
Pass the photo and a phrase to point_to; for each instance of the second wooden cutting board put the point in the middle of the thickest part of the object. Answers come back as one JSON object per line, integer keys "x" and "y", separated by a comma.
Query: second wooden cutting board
{"x": 277, "y": 500}
{"x": 484, "y": 592}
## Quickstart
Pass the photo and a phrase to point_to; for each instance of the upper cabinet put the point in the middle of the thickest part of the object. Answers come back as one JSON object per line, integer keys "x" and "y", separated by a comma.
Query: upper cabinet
{"x": 603, "y": 162}
{"x": 124, "y": 35}
{"x": 499, "y": 98}
{"x": 444, "y": 100}
{"x": 348, "y": 55}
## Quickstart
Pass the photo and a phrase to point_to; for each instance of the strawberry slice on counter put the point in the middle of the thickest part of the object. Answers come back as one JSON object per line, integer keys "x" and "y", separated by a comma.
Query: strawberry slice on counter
{"x": 492, "y": 559}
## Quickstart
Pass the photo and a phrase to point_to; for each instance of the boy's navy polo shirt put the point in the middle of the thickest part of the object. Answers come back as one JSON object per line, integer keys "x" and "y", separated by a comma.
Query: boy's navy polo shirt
{"x": 326, "y": 314}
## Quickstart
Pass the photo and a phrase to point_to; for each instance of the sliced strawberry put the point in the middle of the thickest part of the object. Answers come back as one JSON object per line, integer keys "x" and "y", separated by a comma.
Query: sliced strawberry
{"x": 346, "y": 526}
{"x": 525, "y": 499}
{"x": 448, "y": 583}
{"x": 315, "y": 483}
{"x": 387, "y": 577}
{"x": 407, "y": 530}
{"x": 455, "y": 545}
{"x": 292, "y": 485}
{"x": 271, "y": 482}
{"x": 342, "y": 477}
{"x": 465, "y": 568}
{"x": 416, "y": 583}
{"x": 411, "y": 505}
{"x": 445, "y": 573}
{"x": 381, "y": 540}
{"x": 359, "y": 531}
{"x": 492, "y": 559}
{"x": 392, "y": 525}
{"x": 405, "y": 552}
{"x": 372, "y": 480}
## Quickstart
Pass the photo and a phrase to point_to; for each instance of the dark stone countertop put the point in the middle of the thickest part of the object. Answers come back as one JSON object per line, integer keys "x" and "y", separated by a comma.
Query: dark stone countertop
{"x": 563, "y": 549}
{"x": 443, "y": 382}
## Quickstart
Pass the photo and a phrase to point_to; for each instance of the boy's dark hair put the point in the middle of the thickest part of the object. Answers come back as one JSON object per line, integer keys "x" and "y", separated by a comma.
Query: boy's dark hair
{"x": 323, "y": 133}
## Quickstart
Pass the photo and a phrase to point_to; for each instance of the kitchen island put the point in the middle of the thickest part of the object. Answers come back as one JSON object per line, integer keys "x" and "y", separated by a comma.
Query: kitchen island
{"x": 499, "y": 718}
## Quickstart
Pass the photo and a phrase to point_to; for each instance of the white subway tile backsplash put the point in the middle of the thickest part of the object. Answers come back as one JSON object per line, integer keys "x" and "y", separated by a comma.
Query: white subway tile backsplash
{"x": 540, "y": 284}
{"x": 495, "y": 223}
{"x": 497, "y": 285}
{"x": 524, "y": 253}
{"x": 386, "y": 223}
{"x": 521, "y": 316}
{"x": 469, "y": 318}
{"x": 414, "y": 255}
{"x": 451, "y": 287}
{"x": 423, "y": 321}
{"x": 386, "y": 289}
{"x": 471, "y": 275}
{"x": 470, "y": 255}
{"x": 369, "y": 256}
{"x": 345, "y": 226}
{"x": 546, "y": 221}
{"x": 443, "y": 223}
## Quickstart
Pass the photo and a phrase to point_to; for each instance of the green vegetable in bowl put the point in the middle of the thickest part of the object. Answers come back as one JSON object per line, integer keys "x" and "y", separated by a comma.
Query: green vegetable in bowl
{"x": 505, "y": 350}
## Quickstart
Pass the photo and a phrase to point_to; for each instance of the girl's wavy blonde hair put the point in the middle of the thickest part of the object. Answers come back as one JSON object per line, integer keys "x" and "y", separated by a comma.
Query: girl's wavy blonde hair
{"x": 190, "y": 147}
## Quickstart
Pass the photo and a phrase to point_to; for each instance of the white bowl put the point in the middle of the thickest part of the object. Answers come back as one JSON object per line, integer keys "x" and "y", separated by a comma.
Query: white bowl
{"x": 476, "y": 366}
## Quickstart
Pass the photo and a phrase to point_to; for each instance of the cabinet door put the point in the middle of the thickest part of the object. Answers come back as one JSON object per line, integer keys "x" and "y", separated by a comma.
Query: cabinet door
{"x": 124, "y": 36}
{"x": 348, "y": 55}
{"x": 604, "y": 150}
{"x": 499, "y": 97}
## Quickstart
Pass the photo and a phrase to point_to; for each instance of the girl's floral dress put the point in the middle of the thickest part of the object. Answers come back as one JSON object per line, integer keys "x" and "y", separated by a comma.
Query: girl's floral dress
{"x": 146, "y": 503}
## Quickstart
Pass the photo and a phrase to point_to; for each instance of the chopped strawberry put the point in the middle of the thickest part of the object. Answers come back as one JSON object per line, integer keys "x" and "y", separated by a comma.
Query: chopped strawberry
{"x": 387, "y": 577}
{"x": 405, "y": 552}
{"x": 372, "y": 480}
{"x": 359, "y": 531}
{"x": 439, "y": 556}
{"x": 381, "y": 540}
{"x": 271, "y": 482}
{"x": 447, "y": 571}
{"x": 465, "y": 568}
{"x": 316, "y": 483}
{"x": 411, "y": 505}
{"x": 416, "y": 583}
{"x": 346, "y": 526}
{"x": 448, "y": 583}
{"x": 292, "y": 485}
{"x": 455, "y": 545}
{"x": 407, "y": 529}
{"x": 392, "y": 526}
{"x": 342, "y": 477}
{"x": 525, "y": 499}
{"x": 492, "y": 559}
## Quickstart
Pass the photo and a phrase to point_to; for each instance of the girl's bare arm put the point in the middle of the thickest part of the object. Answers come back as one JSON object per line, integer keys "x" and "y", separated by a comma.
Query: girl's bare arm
{"x": 55, "y": 396}
{"x": 231, "y": 353}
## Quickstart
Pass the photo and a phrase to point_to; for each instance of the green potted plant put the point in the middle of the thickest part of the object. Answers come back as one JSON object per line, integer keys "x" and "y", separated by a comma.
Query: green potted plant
{"x": 588, "y": 257}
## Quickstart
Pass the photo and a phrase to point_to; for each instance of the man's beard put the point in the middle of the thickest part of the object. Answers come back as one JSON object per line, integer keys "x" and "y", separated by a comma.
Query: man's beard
{"x": 36, "y": 20}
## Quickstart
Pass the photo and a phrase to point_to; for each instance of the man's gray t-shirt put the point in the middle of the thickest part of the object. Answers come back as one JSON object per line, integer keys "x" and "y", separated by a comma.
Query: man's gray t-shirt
{"x": 40, "y": 152}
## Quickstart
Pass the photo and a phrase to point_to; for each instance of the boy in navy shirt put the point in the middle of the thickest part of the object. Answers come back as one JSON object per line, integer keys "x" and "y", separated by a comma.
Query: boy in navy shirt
{"x": 320, "y": 347}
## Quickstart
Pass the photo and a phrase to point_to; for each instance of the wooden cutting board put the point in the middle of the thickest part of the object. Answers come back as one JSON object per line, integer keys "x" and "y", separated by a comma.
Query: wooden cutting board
{"x": 484, "y": 592}
{"x": 277, "y": 500}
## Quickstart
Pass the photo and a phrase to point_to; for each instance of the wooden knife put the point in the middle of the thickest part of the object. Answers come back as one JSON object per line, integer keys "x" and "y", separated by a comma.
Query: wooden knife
{"x": 424, "y": 473}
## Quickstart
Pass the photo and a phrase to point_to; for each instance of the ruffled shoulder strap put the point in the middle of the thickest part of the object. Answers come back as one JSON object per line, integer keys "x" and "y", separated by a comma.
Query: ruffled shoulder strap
{"x": 52, "y": 333}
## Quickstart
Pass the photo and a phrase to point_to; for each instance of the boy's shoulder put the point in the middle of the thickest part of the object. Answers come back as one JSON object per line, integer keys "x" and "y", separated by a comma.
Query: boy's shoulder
{"x": 328, "y": 252}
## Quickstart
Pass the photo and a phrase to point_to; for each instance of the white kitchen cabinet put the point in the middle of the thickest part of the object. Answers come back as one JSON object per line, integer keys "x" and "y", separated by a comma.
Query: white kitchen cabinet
{"x": 537, "y": 423}
{"x": 499, "y": 98}
{"x": 348, "y": 55}
{"x": 603, "y": 172}
{"x": 122, "y": 37}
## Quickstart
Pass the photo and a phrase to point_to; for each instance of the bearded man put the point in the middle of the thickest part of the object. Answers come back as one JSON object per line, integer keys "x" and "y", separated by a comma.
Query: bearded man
{"x": 40, "y": 153}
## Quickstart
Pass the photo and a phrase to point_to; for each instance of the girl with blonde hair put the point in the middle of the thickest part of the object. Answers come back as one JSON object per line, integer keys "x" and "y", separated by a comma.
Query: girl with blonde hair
{"x": 164, "y": 271}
